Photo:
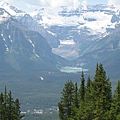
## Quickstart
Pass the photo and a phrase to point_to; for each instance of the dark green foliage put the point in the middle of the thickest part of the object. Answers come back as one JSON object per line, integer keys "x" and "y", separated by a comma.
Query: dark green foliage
{"x": 100, "y": 94}
{"x": 88, "y": 83}
{"x": 67, "y": 101}
{"x": 81, "y": 96}
{"x": 75, "y": 106}
{"x": 9, "y": 108}
{"x": 75, "y": 99}
{"x": 17, "y": 111}
{"x": 82, "y": 88}
{"x": 28, "y": 87}
{"x": 94, "y": 100}
{"x": 115, "y": 107}
{"x": 87, "y": 108}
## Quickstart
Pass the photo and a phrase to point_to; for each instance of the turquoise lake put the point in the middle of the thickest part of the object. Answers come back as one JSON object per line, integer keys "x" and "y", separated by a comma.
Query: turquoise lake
{"x": 68, "y": 69}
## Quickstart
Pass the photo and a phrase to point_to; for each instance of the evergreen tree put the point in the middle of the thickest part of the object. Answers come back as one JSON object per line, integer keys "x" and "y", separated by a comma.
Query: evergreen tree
{"x": 1, "y": 106}
{"x": 91, "y": 102}
{"x": 88, "y": 83}
{"x": 66, "y": 103}
{"x": 115, "y": 107}
{"x": 101, "y": 94}
{"x": 17, "y": 112}
{"x": 75, "y": 106}
{"x": 88, "y": 104}
{"x": 9, "y": 108}
{"x": 76, "y": 99}
{"x": 81, "y": 96}
{"x": 82, "y": 88}
{"x": 5, "y": 103}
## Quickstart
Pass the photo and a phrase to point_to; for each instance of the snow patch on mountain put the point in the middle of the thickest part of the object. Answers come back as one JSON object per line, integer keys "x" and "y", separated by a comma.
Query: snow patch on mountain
{"x": 31, "y": 43}
{"x": 52, "y": 33}
{"x": 97, "y": 21}
{"x": 99, "y": 25}
{"x": 67, "y": 42}
{"x": 13, "y": 11}
{"x": 51, "y": 17}
{"x": 37, "y": 55}
{"x": 4, "y": 16}
{"x": 7, "y": 49}
{"x": 6, "y": 6}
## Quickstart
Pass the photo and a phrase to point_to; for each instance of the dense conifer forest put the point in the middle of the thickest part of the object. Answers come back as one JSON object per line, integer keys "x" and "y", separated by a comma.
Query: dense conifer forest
{"x": 89, "y": 100}
{"x": 92, "y": 100}
{"x": 9, "y": 108}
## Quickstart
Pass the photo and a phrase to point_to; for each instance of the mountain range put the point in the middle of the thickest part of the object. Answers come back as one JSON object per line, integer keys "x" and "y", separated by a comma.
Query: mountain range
{"x": 22, "y": 49}
{"x": 79, "y": 36}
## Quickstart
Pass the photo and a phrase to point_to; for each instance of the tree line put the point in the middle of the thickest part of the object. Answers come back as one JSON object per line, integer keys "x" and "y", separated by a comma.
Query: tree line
{"x": 92, "y": 100}
{"x": 9, "y": 108}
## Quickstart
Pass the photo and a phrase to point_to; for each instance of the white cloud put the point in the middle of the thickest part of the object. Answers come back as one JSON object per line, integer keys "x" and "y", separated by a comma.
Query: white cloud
{"x": 8, "y": 1}
{"x": 53, "y": 3}
{"x": 36, "y": 4}
{"x": 114, "y": 2}
{"x": 84, "y": 3}
{"x": 48, "y": 3}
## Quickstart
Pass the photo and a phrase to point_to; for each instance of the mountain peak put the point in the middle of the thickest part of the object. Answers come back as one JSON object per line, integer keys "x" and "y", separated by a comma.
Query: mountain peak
{"x": 4, "y": 15}
{"x": 11, "y": 9}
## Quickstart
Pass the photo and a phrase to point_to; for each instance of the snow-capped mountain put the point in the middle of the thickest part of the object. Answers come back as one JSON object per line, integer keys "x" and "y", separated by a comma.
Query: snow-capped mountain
{"x": 97, "y": 19}
{"x": 22, "y": 49}
{"x": 74, "y": 26}
{"x": 75, "y": 33}
{"x": 87, "y": 34}
{"x": 12, "y": 10}
{"x": 68, "y": 28}
{"x": 4, "y": 15}
{"x": 29, "y": 22}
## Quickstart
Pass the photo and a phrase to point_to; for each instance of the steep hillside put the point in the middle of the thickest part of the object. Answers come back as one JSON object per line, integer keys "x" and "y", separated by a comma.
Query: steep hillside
{"x": 77, "y": 28}
{"x": 23, "y": 49}
{"x": 83, "y": 35}
{"x": 106, "y": 51}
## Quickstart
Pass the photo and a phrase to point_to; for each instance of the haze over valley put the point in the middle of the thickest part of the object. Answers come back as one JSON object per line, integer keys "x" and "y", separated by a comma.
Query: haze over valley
{"x": 43, "y": 48}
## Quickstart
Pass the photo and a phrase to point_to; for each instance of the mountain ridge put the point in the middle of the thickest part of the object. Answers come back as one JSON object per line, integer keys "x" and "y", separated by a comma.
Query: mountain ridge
{"x": 77, "y": 33}
{"x": 24, "y": 49}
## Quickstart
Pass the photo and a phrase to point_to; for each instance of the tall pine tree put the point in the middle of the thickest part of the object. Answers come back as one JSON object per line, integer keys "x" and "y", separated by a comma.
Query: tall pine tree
{"x": 115, "y": 107}
{"x": 91, "y": 102}
{"x": 9, "y": 108}
{"x": 101, "y": 94}
{"x": 82, "y": 88}
{"x": 88, "y": 104}
{"x": 75, "y": 106}
{"x": 66, "y": 103}
{"x": 81, "y": 97}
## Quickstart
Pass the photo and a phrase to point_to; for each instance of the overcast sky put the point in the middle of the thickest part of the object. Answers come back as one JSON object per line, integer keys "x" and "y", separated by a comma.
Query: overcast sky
{"x": 30, "y": 5}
